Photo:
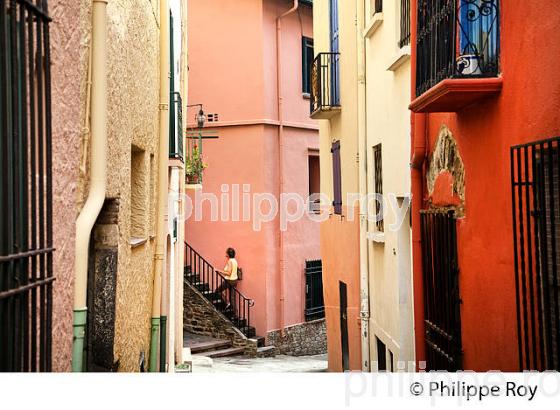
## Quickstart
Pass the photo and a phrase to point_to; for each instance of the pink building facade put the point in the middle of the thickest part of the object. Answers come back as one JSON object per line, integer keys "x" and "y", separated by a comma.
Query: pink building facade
{"x": 267, "y": 144}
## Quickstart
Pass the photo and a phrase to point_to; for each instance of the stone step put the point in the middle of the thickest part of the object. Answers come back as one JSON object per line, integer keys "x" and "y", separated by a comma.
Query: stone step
{"x": 260, "y": 341}
{"x": 266, "y": 351}
{"x": 201, "y": 286}
{"x": 210, "y": 345}
{"x": 232, "y": 351}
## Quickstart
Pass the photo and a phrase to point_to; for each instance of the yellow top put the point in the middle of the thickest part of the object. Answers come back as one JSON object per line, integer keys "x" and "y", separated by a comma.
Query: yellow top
{"x": 233, "y": 273}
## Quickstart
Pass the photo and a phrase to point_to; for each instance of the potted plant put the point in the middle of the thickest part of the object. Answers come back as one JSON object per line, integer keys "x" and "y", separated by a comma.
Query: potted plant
{"x": 194, "y": 166}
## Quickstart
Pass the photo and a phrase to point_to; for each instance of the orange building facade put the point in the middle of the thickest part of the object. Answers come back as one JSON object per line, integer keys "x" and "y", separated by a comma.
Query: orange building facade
{"x": 485, "y": 268}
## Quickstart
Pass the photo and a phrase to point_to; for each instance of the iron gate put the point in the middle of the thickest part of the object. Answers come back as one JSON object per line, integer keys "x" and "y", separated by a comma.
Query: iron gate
{"x": 26, "y": 251}
{"x": 535, "y": 177}
{"x": 442, "y": 312}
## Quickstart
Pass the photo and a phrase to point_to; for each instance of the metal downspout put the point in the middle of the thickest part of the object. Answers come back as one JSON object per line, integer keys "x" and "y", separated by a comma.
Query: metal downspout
{"x": 362, "y": 176}
{"x": 279, "y": 83}
{"x": 162, "y": 180}
{"x": 98, "y": 176}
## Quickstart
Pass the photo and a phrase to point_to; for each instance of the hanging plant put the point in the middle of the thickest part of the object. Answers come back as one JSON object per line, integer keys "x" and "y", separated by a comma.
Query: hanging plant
{"x": 195, "y": 166}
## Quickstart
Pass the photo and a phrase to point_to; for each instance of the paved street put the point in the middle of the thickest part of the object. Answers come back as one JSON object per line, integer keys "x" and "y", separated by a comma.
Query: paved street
{"x": 278, "y": 364}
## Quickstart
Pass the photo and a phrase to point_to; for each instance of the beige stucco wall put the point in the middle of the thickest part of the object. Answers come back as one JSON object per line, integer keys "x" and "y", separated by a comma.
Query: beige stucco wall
{"x": 133, "y": 101}
{"x": 388, "y": 123}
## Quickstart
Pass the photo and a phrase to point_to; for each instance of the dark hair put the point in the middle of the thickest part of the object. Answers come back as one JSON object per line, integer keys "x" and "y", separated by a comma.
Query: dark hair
{"x": 230, "y": 252}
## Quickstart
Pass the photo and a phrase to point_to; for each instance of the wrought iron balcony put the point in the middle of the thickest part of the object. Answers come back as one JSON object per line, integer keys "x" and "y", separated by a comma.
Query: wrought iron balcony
{"x": 176, "y": 127}
{"x": 325, "y": 85}
{"x": 456, "y": 40}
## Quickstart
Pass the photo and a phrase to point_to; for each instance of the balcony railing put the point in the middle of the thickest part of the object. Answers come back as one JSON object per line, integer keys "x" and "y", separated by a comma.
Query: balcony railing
{"x": 325, "y": 85}
{"x": 456, "y": 39}
{"x": 176, "y": 127}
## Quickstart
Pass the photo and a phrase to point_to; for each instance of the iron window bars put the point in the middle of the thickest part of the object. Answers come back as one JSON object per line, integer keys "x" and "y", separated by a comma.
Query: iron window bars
{"x": 26, "y": 242}
{"x": 442, "y": 303}
{"x": 535, "y": 178}
{"x": 378, "y": 185}
{"x": 456, "y": 38}
{"x": 404, "y": 23}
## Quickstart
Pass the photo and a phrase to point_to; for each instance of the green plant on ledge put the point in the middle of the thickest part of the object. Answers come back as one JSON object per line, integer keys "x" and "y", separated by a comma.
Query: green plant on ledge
{"x": 195, "y": 166}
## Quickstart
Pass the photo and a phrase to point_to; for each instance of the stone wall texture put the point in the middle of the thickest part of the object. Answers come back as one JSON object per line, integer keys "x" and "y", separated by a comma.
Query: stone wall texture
{"x": 201, "y": 318}
{"x": 305, "y": 339}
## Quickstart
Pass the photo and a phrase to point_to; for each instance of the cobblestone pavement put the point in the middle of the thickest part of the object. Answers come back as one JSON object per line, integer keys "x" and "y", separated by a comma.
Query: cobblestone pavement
{"x": 278, "y": 364}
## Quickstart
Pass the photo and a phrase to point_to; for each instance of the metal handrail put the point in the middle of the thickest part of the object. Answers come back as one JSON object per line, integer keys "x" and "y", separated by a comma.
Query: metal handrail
{"x": 213, "y": 284}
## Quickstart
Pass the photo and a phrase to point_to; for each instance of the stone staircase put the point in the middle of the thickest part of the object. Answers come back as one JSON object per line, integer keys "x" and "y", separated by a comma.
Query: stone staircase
{"x": 240, "y": 322}
{"x": 228, "y": 331}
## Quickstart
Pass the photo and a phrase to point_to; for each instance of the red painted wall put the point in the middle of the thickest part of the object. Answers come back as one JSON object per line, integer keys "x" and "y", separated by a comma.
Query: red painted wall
{"x": 527, "y": 109}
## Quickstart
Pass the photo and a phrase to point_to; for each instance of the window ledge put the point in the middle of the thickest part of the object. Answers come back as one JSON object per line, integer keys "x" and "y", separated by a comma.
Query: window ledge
{"x": 306, "y": 96}
{"x": 136, "y": 242}
{"x": 373, "y": 25}
{"x": 402, "y": 56}
{"x": 452, "y": 95}
{"x": 377, "y": 237}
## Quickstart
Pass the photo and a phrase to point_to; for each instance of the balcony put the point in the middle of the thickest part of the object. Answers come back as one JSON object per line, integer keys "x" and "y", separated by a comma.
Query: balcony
{"x": 325, "y": 86}
{"x": 176, "y": 128}
{"x": 458, "y": 54}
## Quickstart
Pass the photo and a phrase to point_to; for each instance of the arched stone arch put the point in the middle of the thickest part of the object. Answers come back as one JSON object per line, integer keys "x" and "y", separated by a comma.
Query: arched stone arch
{"x": 446, "y": 174}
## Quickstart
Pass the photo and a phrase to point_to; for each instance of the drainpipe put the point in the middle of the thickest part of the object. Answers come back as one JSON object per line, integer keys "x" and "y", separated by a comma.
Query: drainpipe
{"x": 98, "y": 163}
{"x": 279, "y": 83}
{"x": 362, "y": 177}
{"x": 419, "y": 147}
{"x": 161, "y": 226}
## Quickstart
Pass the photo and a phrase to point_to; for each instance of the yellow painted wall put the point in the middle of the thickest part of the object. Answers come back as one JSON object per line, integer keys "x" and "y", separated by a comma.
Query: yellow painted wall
{"x": 343, "y": 126}
{"x": 388, "y": 123}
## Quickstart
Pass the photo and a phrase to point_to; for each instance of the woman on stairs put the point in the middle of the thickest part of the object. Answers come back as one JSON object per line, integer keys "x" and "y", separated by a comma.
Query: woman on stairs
{"x": 230, "y": 273}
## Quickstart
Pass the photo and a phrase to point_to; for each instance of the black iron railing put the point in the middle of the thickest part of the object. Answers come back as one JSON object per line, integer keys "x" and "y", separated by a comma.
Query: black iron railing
{"x": 325, "y": 82}
{"x": 26, "y": 242}
{"x": 217, "y": 289}
{"x": 404, "y": 39}
{"x": 535, "y": 177}
{"x": 442, "y": 315}
{"x": 456, "y": 38}
{"x": 176, "y": 127}
{"x": 314, "y": 302}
